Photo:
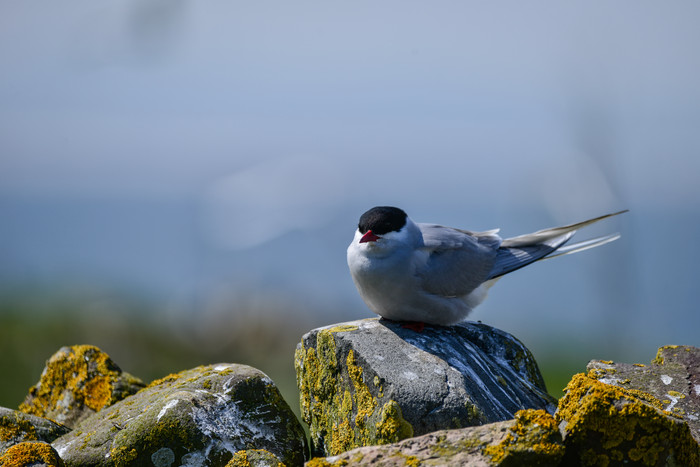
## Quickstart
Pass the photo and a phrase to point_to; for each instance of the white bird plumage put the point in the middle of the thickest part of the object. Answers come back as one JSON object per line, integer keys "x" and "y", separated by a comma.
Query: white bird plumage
{"x": 428, "y": 273}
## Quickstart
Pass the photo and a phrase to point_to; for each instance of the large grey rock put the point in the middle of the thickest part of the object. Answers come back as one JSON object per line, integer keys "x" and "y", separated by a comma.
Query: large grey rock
{"x": 673, "y": 378}
{"x": 77, "y": 382}
{"x": 17, "y": 427}
{"x": 624, "y": 414}
{"x": 531, "y": 439}
{"x": 201, "y": 416}
{"x": 374, "y": 382}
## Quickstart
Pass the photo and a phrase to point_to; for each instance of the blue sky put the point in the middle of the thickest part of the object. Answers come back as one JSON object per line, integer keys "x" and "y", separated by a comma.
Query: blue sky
{"x": 233, "y": 145}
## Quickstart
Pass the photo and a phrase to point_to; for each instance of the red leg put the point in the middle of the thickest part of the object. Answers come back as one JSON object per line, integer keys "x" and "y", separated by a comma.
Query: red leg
{"x": 414, "y": 326}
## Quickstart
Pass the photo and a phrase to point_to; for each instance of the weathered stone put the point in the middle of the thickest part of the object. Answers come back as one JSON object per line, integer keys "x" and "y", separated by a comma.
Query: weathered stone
{"x": 201, "y": 416}
{"x": 532, "y": 438}
{"x": 608, "y": 424}
{"x": 254, "y": 458}
{"x": 77, "y": 382}
{"x": 30, "y": 453}
{"x": 373, "y": 382}
{"x": 16, "y": 427}
{"x": 673, "y": 377}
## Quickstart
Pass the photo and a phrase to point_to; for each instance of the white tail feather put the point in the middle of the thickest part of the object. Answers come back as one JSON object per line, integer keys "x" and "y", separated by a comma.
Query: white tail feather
{"x": 584, "y": 245}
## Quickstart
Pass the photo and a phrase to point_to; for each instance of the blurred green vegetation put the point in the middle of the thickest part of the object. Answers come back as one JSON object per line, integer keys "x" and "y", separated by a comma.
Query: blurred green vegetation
{"x": 143, "y": 340}
{"x": 149, "y": 342}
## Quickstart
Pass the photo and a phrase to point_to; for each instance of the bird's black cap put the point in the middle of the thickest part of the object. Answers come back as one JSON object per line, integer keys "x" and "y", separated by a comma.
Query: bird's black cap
{"x": 382, "y": 219}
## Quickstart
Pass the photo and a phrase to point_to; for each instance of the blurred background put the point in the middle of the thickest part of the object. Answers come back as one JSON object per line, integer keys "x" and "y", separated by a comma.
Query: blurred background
{"x": 179, "y": 180}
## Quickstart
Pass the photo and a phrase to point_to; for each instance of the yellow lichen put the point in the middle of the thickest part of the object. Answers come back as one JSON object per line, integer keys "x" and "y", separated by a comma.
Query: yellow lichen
{"x": 98, "y": 391}
{"x": 364, "y": 401}
{"x": 166, "y": 379}
{"x": 343, "y": 328}
{"x": 123, "y": 455}
{"x": 338, "y": 405}
{"x": 392, "y": 427}
{"x": 83, "y": 371}
{"x": 534, "y": 431}
{"x": 14, "y": 428}
{"x": 342, "y": 437}
{"x": 254, "y": 457}
{"x": 30, "y": 453}
{"x": 659, "y": 359}
{"x": 601, "y": 418}
{"x": 321, "y": 462}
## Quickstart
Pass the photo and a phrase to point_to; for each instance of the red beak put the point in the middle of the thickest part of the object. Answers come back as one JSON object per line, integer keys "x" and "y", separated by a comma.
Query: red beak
{"x": 369, "y": 237}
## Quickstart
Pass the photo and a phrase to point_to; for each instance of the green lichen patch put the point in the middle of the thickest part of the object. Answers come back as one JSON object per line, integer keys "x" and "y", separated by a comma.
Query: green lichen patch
{"x": 76, "y": 382}
{"x": 343, "y": 407}
{"x": 30, "y": 453}
{"x": 606, "y": 424}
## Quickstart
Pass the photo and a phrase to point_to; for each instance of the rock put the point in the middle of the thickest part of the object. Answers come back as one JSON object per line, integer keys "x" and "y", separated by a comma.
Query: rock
{"x": 673, "y": 377}
{"x": 532, "y": 438}
{"x": 254, "y": 458}
{"x": 16, "y": 427}
{"x": 201, "y": 416}
{"x": 618, "y": 413}
{"x": 77, "y": 382}
{"x": 373, "y": 382}
{"x": 31, "y": 453}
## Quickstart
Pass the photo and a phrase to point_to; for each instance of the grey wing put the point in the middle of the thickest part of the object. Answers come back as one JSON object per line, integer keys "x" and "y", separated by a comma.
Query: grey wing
{"x": 457, "y": 261}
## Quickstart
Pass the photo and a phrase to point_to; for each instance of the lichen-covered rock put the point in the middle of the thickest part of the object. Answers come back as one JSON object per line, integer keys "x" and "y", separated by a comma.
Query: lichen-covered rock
{"x": 31, "y": 453}
{"x": 605, "y": 424}
{"x": 16, "y": 427}
{"x": 373, "y": 382}
{"x": 77, "y": 382}
{"x": 254, "y": 458}
{"x": 531, "y": 439}
{"x": 201, "y": 416}
{"x": 673, "y": 377}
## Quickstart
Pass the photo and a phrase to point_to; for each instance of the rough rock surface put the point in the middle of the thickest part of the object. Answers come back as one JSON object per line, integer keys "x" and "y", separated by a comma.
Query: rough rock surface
{"x": 619, "y": 413}
{"x": 673, "y": 377}
{"x": 201, "y": 416}
{"x": 77, "y": 382}
{"x": 532, "y": 438}
{"x": 16, "y": 427}
{"x": 30, "y": 453}
{"x": 373, "y": 382}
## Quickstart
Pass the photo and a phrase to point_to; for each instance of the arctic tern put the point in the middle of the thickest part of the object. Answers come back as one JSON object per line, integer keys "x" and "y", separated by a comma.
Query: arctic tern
{"x": 428, "y": 273}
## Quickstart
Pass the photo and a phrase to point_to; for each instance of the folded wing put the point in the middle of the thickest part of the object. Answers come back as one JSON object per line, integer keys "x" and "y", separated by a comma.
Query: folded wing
{"x": 455, "y": 262}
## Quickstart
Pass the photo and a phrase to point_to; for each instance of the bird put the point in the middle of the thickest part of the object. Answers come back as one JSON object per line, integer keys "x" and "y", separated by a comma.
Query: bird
{"x": 432, "y": 274}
